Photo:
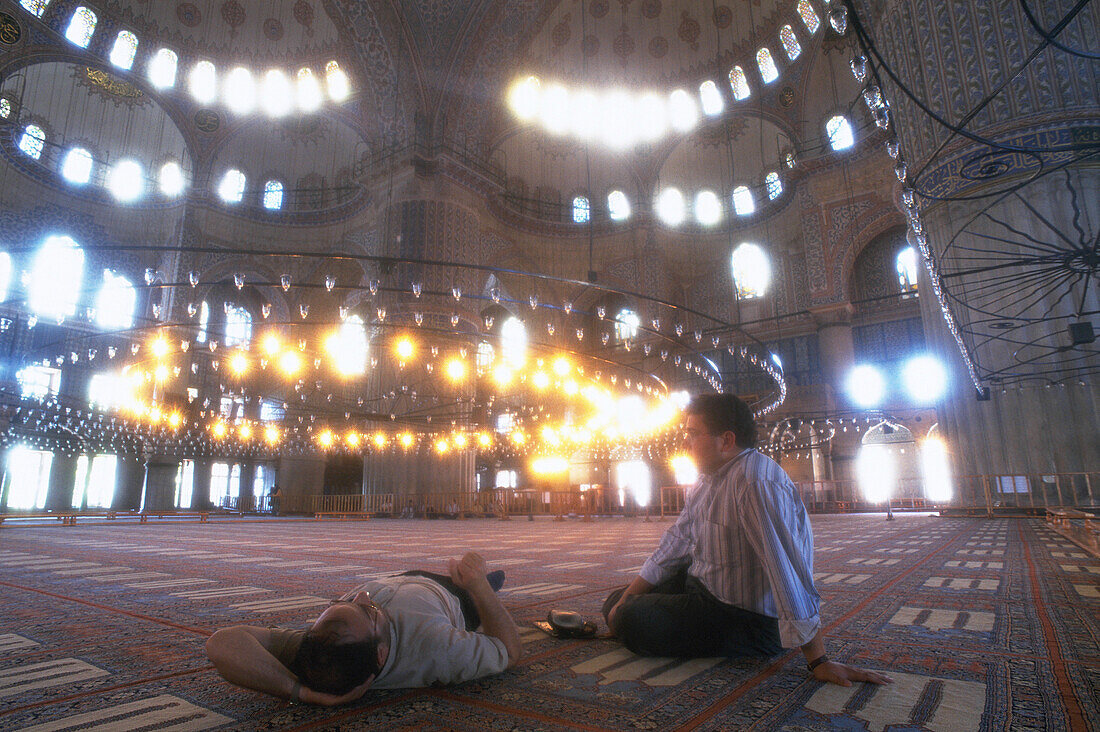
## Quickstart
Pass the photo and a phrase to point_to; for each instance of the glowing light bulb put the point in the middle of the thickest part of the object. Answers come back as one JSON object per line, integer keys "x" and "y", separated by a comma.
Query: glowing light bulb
{"x": 562, "y": 366}
{"x": 220, "y": 430}
{"x": 271, "y": 435}
{"x": 326, "y": 438}
{"x": 271, "y": 344}
{"x": 379, "y": 439}
{"x": 405, "y": 349}
{"x": 160, "y": 347}
{"x": 456, "y": 369}
{"x": 484, "y": 440}
{"x": 290, "y": 363}
{"x": 352, "y": 438}
{"x": 238, "y": 364}
{"x": 406, "y": 440}
{"x": 245, "y": 431}
{"x": 540, "y": 380}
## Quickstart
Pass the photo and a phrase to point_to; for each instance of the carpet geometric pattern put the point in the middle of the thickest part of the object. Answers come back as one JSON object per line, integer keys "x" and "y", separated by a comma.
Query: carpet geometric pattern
{"x": 983, "y": 624}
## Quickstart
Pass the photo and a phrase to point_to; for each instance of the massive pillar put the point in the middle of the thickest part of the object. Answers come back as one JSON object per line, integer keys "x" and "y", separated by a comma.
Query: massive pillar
{"x": 129, "y": 478}
{"x": 160, "y": 484}
{"x": 1011, "y": 224}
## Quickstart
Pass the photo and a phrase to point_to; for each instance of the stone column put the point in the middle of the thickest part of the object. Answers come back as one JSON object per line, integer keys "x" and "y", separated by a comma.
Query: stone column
{"x": 59, "y": 492}
{"x": 160, "y": 484}
{"x": 129, "y": 480}
{"x": 834, "y": 334}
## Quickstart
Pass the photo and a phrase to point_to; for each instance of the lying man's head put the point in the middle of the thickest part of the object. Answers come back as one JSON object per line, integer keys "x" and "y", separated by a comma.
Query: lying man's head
{"x": 346, "y": 645}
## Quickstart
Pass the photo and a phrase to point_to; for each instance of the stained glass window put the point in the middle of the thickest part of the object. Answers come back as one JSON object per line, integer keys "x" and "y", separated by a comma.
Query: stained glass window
{"x": 171, "y": 179}
{"x": 618, "y": 206}
{"x": 77, "y": 167}
{"x": 5, "y": 108}
{"x": 273, "y": 195}
{"x": 710, "y": 98}
{"x": 739, "y": 83}
{"x": 337, "y": 81}
{"x": 54, "y": 285}
{"x": 124, "y": 50}
{"x": 81, "y": 27}
{"x": 238, "y": 326}
{"x": 32, "y": 141}
{"x": 513, "y": 341}
{"x": 764, "y": 60}
{"x": 203, "y": 82}
{"x": 743, "y": 202}
{"x": 162, "y": 69}
{"x": 790, "y": 42}
{"x": 581, "y": 210}
{"x": 809, "y": 17}
{"x": 204, "y": 322}
{"x": 114, "y": 306}
{"x": 126, "y": 180}
{"x": 627, "y": 323}
{"x": 670, "y": 206}
{"x": 906, "y": 266}
{"x": 309, "y": 90}
{"x": 231, "y": 189}
{"x": 348, "y": 346}
{"x": 774, "y": 185}
{"x": 276, "y": 96}
{"x": 708, "y": 209}
{"x": 35, "y": 7}
{"x": 752, "y": 272}
{"x": 240, "y": 90}
{"x": 839, "y": 132}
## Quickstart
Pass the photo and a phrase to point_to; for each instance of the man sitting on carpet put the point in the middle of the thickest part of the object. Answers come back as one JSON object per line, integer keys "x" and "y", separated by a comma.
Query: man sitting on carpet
{"x": 411, "y": 630}
{"x": 734, "y": 575}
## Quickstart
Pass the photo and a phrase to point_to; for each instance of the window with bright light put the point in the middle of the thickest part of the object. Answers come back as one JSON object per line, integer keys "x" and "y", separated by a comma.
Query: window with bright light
{"x": 5, "y": 275}
{"x": 633, "y": 477}
{"x": 906, "y": 266}
{"x": 35, "y": 7}
{"x": 877, "y": 472}
{"x": 231, "y": 189}
{"x": 670, "y": 206}
{"x": 708, "y": 209}
{"x": 618, "y": 206}
{"x": 337, "y": 81}
{"x": 109, "y": 391}
{"x": 124, "y": 50}
{"x": 126, "y": 181}
{"x": 202, "y": 82}
{"x": 309, "y": 91}
{"x": 752, "y": 272}
{"x": 29, "y": 476}
{"x": 348, "y": 346}
{"x": 77, "y": 166}
{"x": 273, "y": 195}
{"x": 924, "y": 378}
{"x": 711, "y": 98}
{"x": 238, "y": 326}
{"x": 225, "y": 483}
{"x": 513, "y": 341}
{"x": 5, "y": 108}
{"x": 936, "y": 470}
{"x": 764, "y": 61}
{"x": 204, "y": 322}
{"x": 39, "y": 382}
{"x": 95, "y": 481}
{"x": 185, "y": 484}
{"x": 809, "y": 17}
{"x": 507, "y": 479}
{"x": 581, "y": 210}
{"x": 739, "y": 83}
{"x": 743, "y": 202}
{"x": 483, "y": 361}
{"x": 81, "y": 27}
{"x": 55, "y": 278}
{"x": 627, "y": 323}
{"x": 682, "y": 112}
{"x": 162, "y": 69}
{"x": 774, "y": 185}
{"x": 790, "y": 42}
{"x": 171, "y": 179}
{"x": 839, "y": 132}
{"x": 259, "y": 481}
{"x": 240, "y": 91}
{"x": 114, "y": 306}
{"x": 271, "y": 411}
{"x": 276, "y": 96}
{"x": 33, "y": 141}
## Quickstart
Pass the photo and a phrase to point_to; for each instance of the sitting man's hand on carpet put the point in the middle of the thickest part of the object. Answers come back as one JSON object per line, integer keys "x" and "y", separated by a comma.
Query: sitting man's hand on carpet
{"x": 309, "y": 696}
{"x": 843, "y": 674}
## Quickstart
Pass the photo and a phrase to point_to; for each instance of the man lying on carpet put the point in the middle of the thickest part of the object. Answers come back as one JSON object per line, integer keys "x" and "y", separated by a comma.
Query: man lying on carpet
{"x": 734, "y": 575}
{"x": 411, "y": 630}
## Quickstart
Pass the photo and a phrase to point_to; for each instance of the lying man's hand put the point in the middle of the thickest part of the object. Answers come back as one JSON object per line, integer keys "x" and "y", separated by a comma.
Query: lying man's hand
{"x": 843, "y": 674}
{"x": 469, "y": 572}
{"x": 309, "y": 696}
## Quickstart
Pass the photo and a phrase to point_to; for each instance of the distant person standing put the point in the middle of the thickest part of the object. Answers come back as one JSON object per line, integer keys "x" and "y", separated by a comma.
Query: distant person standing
{"x": 276, "y": 499}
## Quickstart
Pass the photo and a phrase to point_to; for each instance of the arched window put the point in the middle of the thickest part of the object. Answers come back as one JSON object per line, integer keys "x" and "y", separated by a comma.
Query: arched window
{"x": 171, "y": 179}
{"x": 682, "y": 112}
{"x": 348, "y": 346}
{"x": 276, "y": 95}
{"x": 202, "y": 82}
{"x": 839, "y": 132}
{"x": 739, "y": 83}
{"x": 581, "y": 210}
{"x": 708, "y": 209}
{"x": 711, "y": 98}
{"x": 273, "y": 195}
{"x": 790, "y": 42}
{"x": 513, "y": 341}
{"x": 35, "y": 7}
{"x": 114, "y": 306}
{"x": 752, "y": 272}
{"x": 81, "y": 27}
{"x": 743, "y": 202}
{"x": 774, "y": 185}
{"x": 77, "y": 167}
{"x": 670, "y": 206}
{"x": 484, "y": 358}
{"x": 618, "y": 206}
{"x": 309, "y": 90}
{"x": 627, "y": 323}
{"x": 238, "y": 326}
{"x": 5, "y": 275}
{"x": 906, "y": 266}
{"x": 337, "y": 81}
{"x": 126, "y": 180}
{"x": 231, "y": 189}
{"x": 32, "y": 141}
{"x": 124, "y": 50}
{"x": 162, "y": 69}
{"x": 204, "y": 322}
{"x": 809, "y": 17}
{"x": 240, "y": 90}
{"x": 764, "y": 61}
{"x": 55, "y": 277}
{"x": 5, "y": 108}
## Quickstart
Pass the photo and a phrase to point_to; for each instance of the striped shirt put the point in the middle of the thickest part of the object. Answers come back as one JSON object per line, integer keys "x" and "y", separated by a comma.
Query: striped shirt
{"x": 745, "y": 535}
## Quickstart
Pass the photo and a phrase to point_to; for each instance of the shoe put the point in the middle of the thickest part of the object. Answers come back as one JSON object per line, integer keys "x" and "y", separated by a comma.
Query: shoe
{"x": 567, "y": 624}
{"x": 496, "y": 579}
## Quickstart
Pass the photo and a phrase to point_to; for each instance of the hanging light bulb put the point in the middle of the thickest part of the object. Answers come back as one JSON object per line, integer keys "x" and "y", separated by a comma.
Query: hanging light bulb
{"x": 150, "y": 276}
{"x": 881, "y": 117}
{"x": 533, "y": 300}
{"x": 381, "y": 315}
{"x": 494, "y": 294}
{"x": 191, "y": 309}
{"x": 567, "y": 307}
{"x": 892, "y": 148}
{"x": 417, "y": 288}
{"x": 238, "y": 280}
{"x": 838, "y": 19}
{"x": 330, "y": 282}
{"x": 193, "y": 278}
{"x": 859, "y": 67}
{"x": 284, "y": 280}
{"x": 418, "y": 318}
{"x": 265, "y": 310}
{"x": 580, "y": 334}
{"x": 373, "y": 286}
{"x": 156, "y": 311}
{"x": 304, "y": 310}
{"x": 900, "y": 169}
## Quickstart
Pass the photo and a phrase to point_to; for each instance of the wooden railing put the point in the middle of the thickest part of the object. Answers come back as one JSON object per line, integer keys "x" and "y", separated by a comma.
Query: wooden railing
{"x": 1079, "y": 527}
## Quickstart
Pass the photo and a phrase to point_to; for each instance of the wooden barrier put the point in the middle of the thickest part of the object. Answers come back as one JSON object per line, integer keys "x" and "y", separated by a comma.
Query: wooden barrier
{"x": 1078, "y": 526}
{"x": 70, "y": 518}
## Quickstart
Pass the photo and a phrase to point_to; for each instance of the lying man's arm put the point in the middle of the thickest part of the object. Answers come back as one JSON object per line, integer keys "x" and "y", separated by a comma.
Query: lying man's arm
{"x": 242, "y": 655}
{"x": 469, "y": 574}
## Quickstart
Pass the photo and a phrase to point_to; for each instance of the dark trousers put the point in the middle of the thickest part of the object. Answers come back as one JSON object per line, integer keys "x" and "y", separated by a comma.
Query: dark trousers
{"x": 469, "y": 610}
{"x": 680, "y": 618}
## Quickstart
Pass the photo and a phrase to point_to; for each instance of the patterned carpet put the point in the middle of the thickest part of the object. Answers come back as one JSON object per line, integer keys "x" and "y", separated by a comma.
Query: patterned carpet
{"x": 983, "y": 624}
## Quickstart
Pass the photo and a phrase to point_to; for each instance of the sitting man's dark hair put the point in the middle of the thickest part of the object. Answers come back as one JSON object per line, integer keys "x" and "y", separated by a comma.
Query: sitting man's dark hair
{"x": 725, "y": 413}
{"x": 324, "y": 666}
